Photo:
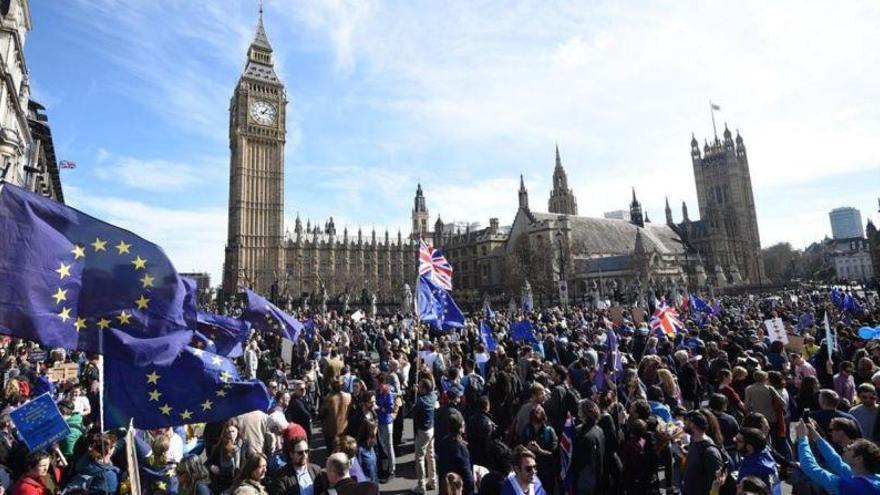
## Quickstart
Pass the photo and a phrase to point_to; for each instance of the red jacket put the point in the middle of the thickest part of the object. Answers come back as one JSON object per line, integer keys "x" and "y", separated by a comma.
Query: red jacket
{"x": 26, "y": 485}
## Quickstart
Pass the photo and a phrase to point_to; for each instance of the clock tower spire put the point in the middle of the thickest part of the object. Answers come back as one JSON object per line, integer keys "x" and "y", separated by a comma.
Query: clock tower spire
{"x": 257, "y": 133}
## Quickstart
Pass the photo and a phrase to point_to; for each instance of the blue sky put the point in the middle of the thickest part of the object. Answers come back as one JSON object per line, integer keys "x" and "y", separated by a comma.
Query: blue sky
{"x": 462, "y": 96}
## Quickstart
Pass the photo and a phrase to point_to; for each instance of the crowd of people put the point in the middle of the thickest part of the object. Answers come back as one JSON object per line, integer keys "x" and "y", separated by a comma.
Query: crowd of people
{"x": 596, "y": 403}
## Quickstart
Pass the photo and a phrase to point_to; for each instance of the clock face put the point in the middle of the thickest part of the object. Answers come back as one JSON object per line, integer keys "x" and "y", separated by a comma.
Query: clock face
{"x": 263, "y": 112}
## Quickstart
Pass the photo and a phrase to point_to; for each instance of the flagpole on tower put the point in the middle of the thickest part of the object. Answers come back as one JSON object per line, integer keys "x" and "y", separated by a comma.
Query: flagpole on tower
{"x": 712, "y": 108}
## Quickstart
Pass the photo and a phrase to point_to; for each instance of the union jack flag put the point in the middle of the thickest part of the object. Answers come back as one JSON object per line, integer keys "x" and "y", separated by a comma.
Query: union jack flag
{"x": 665, "y": 320}
{"x": 434, "y": 264}
{"x": 566, "y": 448}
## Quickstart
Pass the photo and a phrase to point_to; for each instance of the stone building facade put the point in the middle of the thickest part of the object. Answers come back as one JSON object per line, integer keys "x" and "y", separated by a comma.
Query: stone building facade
{"x": 27, "y": 152}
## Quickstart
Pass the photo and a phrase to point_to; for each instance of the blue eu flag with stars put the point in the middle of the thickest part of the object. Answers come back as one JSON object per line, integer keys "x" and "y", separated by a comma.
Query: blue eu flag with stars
{"x": 69, "y": 280}
{"x": 195, "y": 387}
{"x": 436, "y": 306}
{"x": 222, "y": 334}
{"x": 267, "y": 317}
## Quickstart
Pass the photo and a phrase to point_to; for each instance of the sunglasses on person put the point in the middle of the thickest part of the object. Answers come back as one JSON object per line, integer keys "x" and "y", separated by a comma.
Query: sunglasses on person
{"x": 531, "y": 468}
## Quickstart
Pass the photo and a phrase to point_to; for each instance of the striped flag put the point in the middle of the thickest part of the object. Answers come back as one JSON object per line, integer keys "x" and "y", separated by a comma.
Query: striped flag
{"x": 433, "y": 264}
{"x": 665, "y": 320}
{"x": 566, "y": 449}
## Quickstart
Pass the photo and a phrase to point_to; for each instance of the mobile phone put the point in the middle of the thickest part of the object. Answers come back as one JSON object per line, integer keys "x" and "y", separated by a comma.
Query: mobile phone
{"x": 806, "y": 414}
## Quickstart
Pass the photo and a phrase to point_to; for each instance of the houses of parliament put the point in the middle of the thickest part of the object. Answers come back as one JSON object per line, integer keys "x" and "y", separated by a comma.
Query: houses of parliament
{"x": 720, "y": 249}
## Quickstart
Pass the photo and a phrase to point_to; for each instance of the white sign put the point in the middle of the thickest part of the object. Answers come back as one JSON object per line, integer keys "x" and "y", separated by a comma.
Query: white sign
{"x": 776, "y": 330}
{"x": 357, "y": 316}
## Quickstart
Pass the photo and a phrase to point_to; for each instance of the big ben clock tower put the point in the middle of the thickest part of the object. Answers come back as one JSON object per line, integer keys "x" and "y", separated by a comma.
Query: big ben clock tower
{"x": 254, "y": 252}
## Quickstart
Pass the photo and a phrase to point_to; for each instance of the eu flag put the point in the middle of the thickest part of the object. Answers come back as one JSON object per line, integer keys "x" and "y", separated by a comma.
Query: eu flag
{"x": 700, "y": 305}
{"x": 267, "y": 317}
{"x": 487, "y": 337}
{"x": 226, "y": 334}
{"x": 67, "y": 278}
{"x": 194, "y": 387}
{"x": 436, "y": 306}
{"x": 522, "y": 331}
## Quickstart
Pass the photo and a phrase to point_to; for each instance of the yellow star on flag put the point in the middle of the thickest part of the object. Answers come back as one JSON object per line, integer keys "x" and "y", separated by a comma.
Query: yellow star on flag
{"x": 60, "y": 295}
{"x": 63, "y": 270}
{"x": 161, "y": 486}
{"x": 225, "y": 376}
{"x": 123, "y": 318}
{"x": 122, "y": 247}
{"x": 185, "y": 414}
{"x": 216, "y": 360}
{"x": 142, "y": 302}
{"x": 154, "y": 395}
{"x": 99, "y": 245}
{"x": 197, "y": 352}
{"x": 153, "y": 377}
{"x": 80, "y": 324}
{"x": 139, "y": 263}
{"x": 206, "y": 406}
{"x": 221, "y": 393}
{"x": 103, "y": 323}
{"x": 166, "y": 409}
{"x": 78, "y": 252}
{"x": 64, "y": 314}
{"x": 147, "y": 281}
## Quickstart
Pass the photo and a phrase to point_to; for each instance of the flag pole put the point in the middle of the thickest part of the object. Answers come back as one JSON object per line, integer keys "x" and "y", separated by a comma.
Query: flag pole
{"x": 417, "y": 319}
{"x": 712, "y": 111}
{"x": 101, "y": 380}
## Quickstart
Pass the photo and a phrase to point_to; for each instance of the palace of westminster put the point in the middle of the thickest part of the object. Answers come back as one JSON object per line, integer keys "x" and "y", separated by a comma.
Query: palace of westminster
{"x": 721, "y": 248}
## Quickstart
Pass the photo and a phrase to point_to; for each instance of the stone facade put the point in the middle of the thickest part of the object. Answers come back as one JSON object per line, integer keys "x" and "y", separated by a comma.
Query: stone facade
{"x": 852, "y": 259}
{"x": 27, "y": 152}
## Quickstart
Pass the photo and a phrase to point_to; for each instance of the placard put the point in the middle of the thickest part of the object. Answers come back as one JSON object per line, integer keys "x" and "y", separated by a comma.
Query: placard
{"x": 795, "y": 343}
{"x": 63, "y": 371}
{"x": 287, "y": 351}
{"x": 37, "y": 356}
{"x": 39, "y": 423}
{"x": 616, "y": 315}
{"x": 639, "y": 315}
{"x": 776, "y": 330}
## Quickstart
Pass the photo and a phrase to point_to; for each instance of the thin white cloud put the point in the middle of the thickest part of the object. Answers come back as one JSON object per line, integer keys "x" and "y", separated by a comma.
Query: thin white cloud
{"x": 155, "y": 175}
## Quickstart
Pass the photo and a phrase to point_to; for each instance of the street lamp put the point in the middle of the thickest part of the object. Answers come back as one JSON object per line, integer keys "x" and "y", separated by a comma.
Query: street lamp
{"x": 562, "y": 282}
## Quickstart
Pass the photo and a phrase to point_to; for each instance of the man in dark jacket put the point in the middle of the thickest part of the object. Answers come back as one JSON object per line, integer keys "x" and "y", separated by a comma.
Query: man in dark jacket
{"x": 703, "y": 457}
{"x": 445, "y": 413}
{"x": 588, "y": 457}
{"x": 298, "y": 476}
{"x": 297, "y": 411}
{"x": 423, "y": 424}
{"x": 339, "y": 478}
{"x": 481, "y": 432}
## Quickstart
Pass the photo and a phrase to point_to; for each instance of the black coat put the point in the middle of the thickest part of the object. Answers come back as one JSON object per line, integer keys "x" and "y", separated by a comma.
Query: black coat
{"x": 298, "y": 412}
{"x": 588, "y": 458}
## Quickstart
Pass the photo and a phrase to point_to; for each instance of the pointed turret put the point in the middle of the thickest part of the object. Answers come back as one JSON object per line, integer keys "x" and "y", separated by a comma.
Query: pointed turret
{"x": 298, "y": 226}
{"x": 261, "y": 63}
{"x": 647, "y": 220}
{"x": 640, "y": 250}
{"x": 684, "y": 212}
{"x": 562, "y": 200}
{"x": 635, "y": 211}
{"x": 668, "y": 213}
{"x": 523, "y": 194}
{"x": 420, "y": 216}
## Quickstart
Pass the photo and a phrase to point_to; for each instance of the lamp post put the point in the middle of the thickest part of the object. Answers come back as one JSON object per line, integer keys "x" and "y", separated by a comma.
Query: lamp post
{"x": 562, "y": 281}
